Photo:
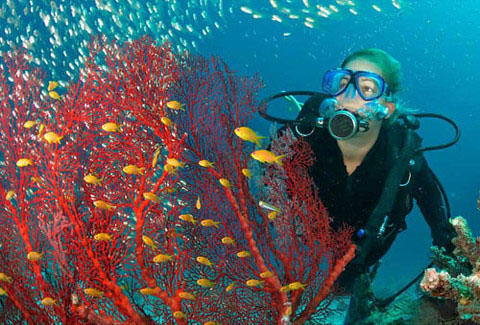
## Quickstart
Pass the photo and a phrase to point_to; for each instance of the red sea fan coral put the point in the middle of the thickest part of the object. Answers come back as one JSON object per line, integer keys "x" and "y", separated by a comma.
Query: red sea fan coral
{"x": 108, "y": 217}
{"x": 76, "y": 165}
{"x": 263, "y": 264}
{"x": 303, "y": 230}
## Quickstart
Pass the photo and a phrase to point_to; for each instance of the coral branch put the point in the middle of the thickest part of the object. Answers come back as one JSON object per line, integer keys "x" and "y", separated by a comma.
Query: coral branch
{"x": 325, "y": 291}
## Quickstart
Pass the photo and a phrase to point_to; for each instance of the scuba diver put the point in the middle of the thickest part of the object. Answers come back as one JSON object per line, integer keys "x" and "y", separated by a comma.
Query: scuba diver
{"x": 369, "y": 162}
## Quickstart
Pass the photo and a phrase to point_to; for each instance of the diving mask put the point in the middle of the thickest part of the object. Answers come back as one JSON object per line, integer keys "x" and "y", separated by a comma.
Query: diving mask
{"x": 369, "y": 85}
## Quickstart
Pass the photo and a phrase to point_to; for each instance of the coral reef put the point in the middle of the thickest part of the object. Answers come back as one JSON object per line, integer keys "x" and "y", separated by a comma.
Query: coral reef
{"x": 459, "y": 279}
{"x": 414, "y": 307}
{"x": 127, "y": 198}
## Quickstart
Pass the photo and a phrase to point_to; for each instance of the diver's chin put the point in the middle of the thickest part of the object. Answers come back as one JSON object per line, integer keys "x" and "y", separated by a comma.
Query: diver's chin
{"x": 359, "y": 136}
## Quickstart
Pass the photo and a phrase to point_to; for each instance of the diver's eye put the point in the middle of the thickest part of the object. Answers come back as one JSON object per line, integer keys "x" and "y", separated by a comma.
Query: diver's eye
{"x": 368, "y": 87}
{"x": 367, "y": 90}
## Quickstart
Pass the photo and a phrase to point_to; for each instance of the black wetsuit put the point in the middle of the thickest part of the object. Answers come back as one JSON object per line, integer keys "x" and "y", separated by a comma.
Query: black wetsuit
{"x": 351, "y": 199}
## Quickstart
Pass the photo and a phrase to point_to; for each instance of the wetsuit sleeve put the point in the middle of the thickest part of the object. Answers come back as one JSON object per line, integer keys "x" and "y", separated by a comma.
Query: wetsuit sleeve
{"x": 429, "y": 200}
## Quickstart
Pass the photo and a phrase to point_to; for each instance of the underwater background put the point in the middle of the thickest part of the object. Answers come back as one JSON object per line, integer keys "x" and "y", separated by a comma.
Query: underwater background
{"x": 435, "y": 41}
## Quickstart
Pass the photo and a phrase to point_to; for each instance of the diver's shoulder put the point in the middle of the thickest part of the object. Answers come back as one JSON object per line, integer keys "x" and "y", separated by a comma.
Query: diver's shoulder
{"x": 316, "y": 99}
{"x": 398, "y": 129}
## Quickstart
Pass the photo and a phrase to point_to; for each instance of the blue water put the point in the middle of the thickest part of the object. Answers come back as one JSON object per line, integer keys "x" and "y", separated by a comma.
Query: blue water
{"x": 435, "y": 41}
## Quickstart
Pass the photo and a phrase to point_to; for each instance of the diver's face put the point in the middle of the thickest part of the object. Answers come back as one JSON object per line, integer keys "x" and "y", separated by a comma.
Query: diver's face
{"x": 345, "y": 100}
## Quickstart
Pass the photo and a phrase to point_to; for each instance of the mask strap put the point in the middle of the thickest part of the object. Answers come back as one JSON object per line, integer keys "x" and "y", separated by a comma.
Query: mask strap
{"x": 388, "y": 95}
{"x": 390, "y": 98}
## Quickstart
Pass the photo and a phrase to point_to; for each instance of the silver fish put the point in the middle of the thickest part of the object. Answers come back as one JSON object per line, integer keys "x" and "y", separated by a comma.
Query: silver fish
{"x": 268, "y": 206}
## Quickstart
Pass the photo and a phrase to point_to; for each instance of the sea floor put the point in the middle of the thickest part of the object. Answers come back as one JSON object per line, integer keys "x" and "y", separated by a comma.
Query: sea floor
{"x": 412, "y": 307}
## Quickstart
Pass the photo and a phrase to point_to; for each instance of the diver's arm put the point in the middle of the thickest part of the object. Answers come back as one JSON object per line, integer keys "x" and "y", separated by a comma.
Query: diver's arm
{"x": 429, "y": 200}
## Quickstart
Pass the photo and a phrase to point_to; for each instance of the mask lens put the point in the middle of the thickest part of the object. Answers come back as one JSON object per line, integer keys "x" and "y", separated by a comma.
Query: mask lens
{"x": 370, "y": 86}
{"x": 335, "y": 81}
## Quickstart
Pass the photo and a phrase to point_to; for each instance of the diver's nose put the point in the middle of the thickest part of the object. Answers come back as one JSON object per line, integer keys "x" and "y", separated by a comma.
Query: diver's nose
{"x": 349, "y": 100}
{"x": 351, "y": 92}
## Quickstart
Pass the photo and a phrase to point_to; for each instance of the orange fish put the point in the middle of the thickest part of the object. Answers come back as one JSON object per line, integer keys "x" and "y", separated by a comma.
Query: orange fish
{"x": 266, "y": 156}
{"x": 173, "y": 104}
{"x": 198, "y": 205}
{"x": 247, "y": 134}
{"x": 478, "y": 204}
{"x": 53, "y": 94}
{"x": 52, "y": 85}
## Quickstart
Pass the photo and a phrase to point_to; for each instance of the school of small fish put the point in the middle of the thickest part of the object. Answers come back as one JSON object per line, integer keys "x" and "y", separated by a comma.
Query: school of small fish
{"x": 57, "y": 34}
{"x": 310, "y": 13}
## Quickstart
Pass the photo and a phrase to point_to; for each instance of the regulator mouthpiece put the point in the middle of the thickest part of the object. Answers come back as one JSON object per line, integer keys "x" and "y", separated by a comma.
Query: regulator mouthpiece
{"x": 344, "y": 125}
{"x": 341, "y": 123}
